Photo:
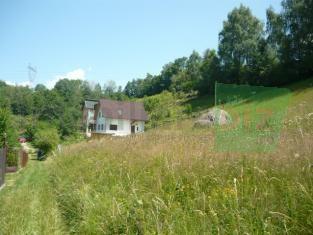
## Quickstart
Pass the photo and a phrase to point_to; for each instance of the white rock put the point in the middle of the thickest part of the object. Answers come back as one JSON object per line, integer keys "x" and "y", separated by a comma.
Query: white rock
{"x": 214, "y": 116}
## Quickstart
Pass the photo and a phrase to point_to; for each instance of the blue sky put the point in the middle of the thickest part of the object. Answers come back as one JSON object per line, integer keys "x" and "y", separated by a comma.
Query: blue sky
{"x": 107, "y": 40}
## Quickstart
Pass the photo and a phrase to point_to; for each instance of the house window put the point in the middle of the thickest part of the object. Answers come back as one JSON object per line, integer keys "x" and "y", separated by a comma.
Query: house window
{"x": 102, "y": 127}
{"x": 113, "y": 127}
{"x": 98, "y": 127}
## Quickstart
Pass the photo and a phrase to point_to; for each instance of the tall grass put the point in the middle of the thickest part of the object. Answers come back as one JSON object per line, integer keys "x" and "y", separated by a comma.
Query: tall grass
{"x": 28, "y": 205}
{"x": 171, "y": 181}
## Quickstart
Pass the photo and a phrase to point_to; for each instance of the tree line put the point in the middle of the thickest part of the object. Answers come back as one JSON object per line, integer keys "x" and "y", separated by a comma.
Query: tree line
{"x": 249, "y": 52}
{"x": 27, "y": 109}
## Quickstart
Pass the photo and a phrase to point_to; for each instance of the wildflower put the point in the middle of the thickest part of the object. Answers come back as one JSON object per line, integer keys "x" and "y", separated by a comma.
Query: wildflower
{"x": 229, "y": 192}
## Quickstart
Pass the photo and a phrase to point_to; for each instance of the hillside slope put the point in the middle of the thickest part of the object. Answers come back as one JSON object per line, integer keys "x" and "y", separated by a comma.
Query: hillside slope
{"x": 171, "y": 180}
{"x": 27, "y": 203}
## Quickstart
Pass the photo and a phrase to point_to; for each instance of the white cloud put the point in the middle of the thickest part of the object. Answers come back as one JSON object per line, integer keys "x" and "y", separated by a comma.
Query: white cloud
{"x": 26, "y": 83}
{"x": 10, "y": 83}
{"x": 77, "y": 74}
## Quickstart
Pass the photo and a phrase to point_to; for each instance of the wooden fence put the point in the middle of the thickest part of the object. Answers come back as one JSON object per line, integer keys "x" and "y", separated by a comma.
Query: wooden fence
{"x": 5, "y": 167}
{"x": 2, "y": 165}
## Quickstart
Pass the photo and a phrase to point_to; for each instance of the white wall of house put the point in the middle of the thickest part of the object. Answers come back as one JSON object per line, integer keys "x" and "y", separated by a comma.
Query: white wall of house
{"x": 139, "y": 126}
{"x": 123, "y": 126}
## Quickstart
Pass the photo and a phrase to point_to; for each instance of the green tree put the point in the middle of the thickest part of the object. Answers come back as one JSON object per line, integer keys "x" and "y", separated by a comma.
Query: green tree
{"x": 46, "y": 139}
{"x": 169, "y": 71}
{"x": 30, "y": 127}
{"x": 8, "y": 131}
{"x": 97, "y": 91}
{"x": 52, "y": 106}
{"x": 210, "y": 72}
{"x": 274, "y": 30}
{"x": 134, "y": 88}
{"x": 5, "y": 101}
{"x": 238, "y": 43}
{"x": 41, "y": 87}
{"x": 70, "y": 91}
{"x": 21, "y": 100}
{"x": 4, "y": 119}
{"x": 86, "y": 90}
{"x": 290, "y": 34}
{"x": 298, "y": 27}
{"x": 109, "y": 88}
{"x": 69, "y": 122}
{"x": 187, "y": 73}
{"x": 119, "y": 94}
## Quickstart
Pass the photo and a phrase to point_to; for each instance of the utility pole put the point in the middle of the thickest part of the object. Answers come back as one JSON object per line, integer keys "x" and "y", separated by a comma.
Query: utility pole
{"x": 215, "y": 90}
{"x": 32, "y": 72}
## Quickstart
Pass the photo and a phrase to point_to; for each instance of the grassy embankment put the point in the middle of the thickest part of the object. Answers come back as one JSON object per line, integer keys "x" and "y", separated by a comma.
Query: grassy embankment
{"x": 27, "y": 202}
{"x": 171, "y": 180}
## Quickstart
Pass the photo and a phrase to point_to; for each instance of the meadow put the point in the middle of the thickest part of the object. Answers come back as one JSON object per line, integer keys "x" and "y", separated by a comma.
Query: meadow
{"x": 171, "y": 180}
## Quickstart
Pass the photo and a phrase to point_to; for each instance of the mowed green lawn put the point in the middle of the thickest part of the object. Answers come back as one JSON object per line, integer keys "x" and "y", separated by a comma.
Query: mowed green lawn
{"x": 171, "y": 180}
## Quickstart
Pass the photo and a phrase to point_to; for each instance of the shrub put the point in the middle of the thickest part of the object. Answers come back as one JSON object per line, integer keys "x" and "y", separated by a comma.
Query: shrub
{"x": 46, "y": 139}
{"x": 12, "y": 158}
{"x": 7, "y": 128}
{"x": 30, "y": 128}
{"x": 188, "y": 109}
{"x": 162, "y": 108}
{"x": 4, "y": 116}
{"x": 74, "y": 138}
{"x": 69, "y": 122}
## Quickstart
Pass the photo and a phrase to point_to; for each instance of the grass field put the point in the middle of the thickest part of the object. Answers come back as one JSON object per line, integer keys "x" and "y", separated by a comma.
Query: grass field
{"x": 171, "y": 180}
{"x": 27, "y": 203}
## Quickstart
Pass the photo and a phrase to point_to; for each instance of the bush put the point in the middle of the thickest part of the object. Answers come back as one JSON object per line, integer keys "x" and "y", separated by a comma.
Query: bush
{"x": 188, "y": 109}
{"x": 12, "y": 158}
{"x": 75, "y": 138}
{"x": 162, "y": 108}
{"x": 46, "y": 139}
{"x": 30, "y": 128}
{"x": 69, "y": 123}
{"x": 7, "y": 128}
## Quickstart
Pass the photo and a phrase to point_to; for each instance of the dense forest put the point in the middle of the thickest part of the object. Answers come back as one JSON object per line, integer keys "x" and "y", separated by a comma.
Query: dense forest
{"x": 249, "y": 52}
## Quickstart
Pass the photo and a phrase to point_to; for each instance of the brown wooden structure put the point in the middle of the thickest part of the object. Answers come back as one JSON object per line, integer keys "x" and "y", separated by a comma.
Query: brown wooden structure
{"x": 2, "y": 165}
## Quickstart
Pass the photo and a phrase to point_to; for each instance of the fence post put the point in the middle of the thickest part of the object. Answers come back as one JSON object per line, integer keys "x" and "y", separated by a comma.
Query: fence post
{"x": 3, "y": 152}
{"x": 2, "y": 165}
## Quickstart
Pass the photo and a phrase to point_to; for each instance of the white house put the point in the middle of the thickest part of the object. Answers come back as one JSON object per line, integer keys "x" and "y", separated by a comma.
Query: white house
{"x": 114, "y": 117}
